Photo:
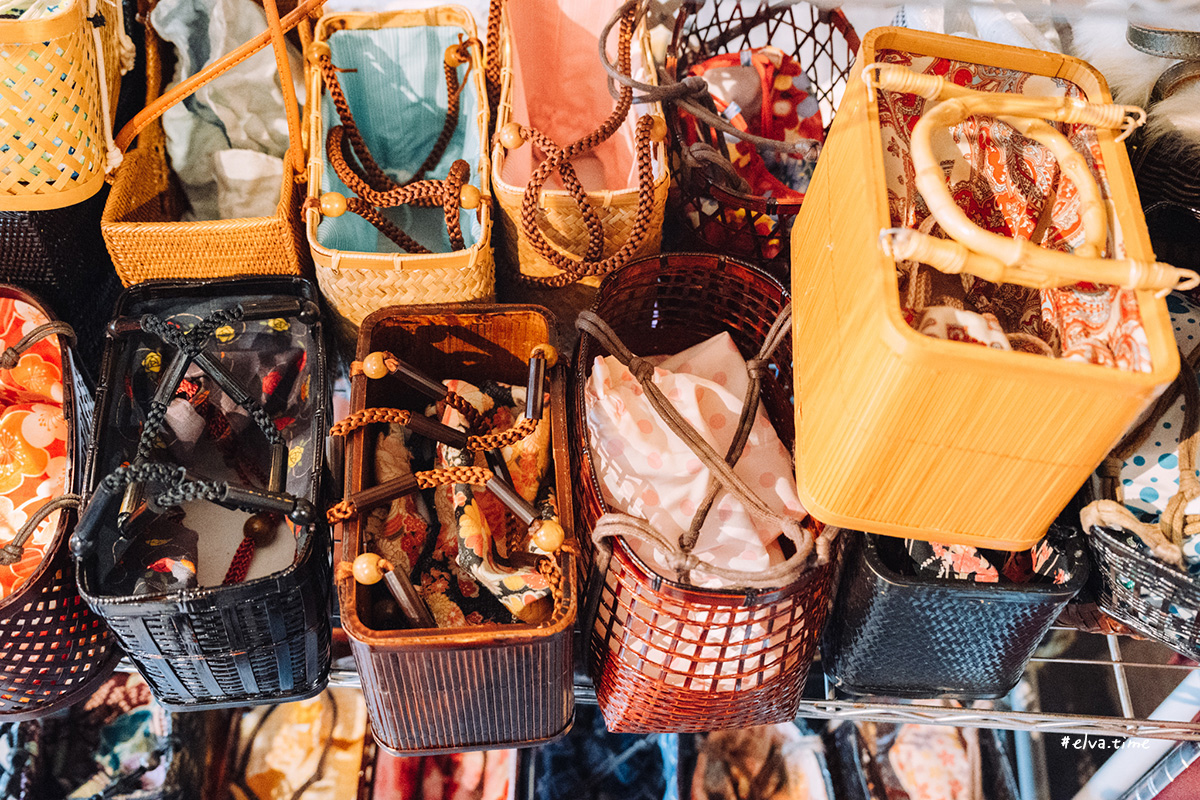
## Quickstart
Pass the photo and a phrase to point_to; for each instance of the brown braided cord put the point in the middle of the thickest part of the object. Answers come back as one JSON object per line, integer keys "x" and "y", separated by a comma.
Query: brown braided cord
{"x": 549, "y": 569}
{"x": 374, "y": 173}
{"x": 384, "y": 225}
{"x": 502, "y": 438}
{"x": 453, "y": 98}
{"x": 467, "y": 411}
{"x": 491, "y": 69}
{"x": 426, "y": 479}
{"x": 557, "y": 159}
{"x": 360, "y": 419}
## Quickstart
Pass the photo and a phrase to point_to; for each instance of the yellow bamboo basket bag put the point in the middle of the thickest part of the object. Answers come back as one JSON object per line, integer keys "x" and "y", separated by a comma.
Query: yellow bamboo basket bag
{"x": 607, "y": 205}
{"x": 904, "y": 433}
{"x": 60, "y": 75}
{"x": 397, "y": 132}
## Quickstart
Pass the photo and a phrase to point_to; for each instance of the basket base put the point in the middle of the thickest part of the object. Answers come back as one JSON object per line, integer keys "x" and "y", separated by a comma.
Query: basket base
{"x": 84, "y": 690}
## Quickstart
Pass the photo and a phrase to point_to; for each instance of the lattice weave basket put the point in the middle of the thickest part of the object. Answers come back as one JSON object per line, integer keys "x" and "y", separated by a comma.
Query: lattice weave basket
{"x": 481, "y": 686}
{"x": 667, "y": 656}
{"x": 55, "y": 108}
{"x": 823, "y": 43}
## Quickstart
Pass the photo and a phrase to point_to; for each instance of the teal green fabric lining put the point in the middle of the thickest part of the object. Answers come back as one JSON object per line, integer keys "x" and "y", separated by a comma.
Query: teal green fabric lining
{"x": 398, "y": 98}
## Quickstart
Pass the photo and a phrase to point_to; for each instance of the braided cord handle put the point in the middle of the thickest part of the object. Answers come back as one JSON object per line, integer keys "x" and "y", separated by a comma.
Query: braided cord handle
{"x": 997, "y": 258}
{"x": 557, "y": 159}
{"x": 426, "y": 479}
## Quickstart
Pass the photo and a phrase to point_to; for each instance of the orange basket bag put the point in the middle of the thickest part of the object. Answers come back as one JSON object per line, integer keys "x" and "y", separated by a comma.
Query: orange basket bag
{"x": 666, "y": 655}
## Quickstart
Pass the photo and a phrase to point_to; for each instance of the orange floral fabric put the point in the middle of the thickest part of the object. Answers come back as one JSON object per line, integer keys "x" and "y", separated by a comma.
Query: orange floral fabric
{"x": 33, "y": 439}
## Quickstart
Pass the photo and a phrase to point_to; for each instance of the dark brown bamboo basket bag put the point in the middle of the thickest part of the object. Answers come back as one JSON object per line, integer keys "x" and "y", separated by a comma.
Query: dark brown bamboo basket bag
{"x": 479, "y": 686}
{"x": 665, "y": 655}
{"x": 53, "y": 650}
{"x": 712, "y": 211}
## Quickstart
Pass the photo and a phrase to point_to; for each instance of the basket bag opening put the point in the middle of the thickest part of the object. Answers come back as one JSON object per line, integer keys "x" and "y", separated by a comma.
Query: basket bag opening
{"x": 275, "y": 361}
{"x": 475, "y": 347}
{"x": 398, "y": 96}
{"x": 551, "y": 40}
{"x": 1012, "y": 186}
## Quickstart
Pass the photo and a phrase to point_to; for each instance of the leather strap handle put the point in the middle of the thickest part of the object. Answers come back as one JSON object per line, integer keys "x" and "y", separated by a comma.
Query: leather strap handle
{"x": 155, "y": 108}
{"x": 1164, "y": 42}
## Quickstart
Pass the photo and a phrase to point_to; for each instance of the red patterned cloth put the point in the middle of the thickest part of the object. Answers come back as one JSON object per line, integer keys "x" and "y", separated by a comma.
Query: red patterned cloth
{"x": 33, "y": 438}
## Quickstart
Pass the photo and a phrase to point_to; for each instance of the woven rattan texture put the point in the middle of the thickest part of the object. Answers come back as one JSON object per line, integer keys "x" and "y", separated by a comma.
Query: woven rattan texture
{"x": 51, "y": 120}
{"x": 824, "y": 44}
{"x": 477, "y": 686}
{"x": 941, "y": 637}
{"x": 667, "y": 657}
{"x": 1152, "y": 598}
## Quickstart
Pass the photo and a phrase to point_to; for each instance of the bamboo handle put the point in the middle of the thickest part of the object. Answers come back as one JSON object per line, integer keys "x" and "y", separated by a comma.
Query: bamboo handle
{"x": 1001, "y": 259}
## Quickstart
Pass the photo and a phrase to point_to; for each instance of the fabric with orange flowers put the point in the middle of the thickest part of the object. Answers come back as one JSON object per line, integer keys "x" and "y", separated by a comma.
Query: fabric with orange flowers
{"x": 33, "y": 438}
{"x": 1049, "y": 561}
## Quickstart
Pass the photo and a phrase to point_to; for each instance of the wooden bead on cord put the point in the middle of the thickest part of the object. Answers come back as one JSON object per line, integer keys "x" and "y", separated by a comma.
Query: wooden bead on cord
{"x": 374, "y": 366}
{"x": 658, "y": 129}
{"x": 469, "y": 196}
{"x": 454, "y": 56}
{"x": 260, "y": 529}
{"x": 511, "y": 136}
{"x": 546, "y": 351}
{"x": 317, "y": 50}
{"x": 548, "y": 535}
{"x": 369, "y": 568}
{"x": 333, "y": 204}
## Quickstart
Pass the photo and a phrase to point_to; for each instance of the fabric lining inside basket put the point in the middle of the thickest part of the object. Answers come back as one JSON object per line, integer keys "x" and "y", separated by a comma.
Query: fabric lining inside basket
{"x": 399, "y": 97}
{"x": 1003, "y": 180}
{"x": 552, "y": 40}
{"x": 273, "y": 360}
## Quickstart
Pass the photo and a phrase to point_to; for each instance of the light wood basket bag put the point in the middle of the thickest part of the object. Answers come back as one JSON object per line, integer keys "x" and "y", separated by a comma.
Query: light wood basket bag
{"x": 357, "y": 283}
{"x": 59, "y": 81}
{"x": 141, "y": 222}
{"x": 904, "y": 434}
{"x": 556, "y": 237}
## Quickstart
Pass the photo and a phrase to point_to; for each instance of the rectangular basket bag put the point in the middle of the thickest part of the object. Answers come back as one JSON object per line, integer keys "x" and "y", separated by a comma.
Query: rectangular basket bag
{"x": 555, "y": 84}
{"x": 59, "y": 81}
{"x": 142, "y": 223}
{"x": 399, "y": 108}
{"x": 475, "y": 687}
{"x": 907, "y": 435}
{"x": 225, "y": 380}
{"x": 55, "y": 651}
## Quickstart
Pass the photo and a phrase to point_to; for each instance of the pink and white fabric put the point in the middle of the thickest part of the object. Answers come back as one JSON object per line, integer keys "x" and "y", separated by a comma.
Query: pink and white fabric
{"x": 646, "y": 471}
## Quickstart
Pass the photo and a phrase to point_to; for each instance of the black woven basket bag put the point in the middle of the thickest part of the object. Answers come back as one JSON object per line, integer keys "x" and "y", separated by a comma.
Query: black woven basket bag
{"x": 200, "y": 543}
{"x": 902, "y": 635}
{"x": 53, "y": 650}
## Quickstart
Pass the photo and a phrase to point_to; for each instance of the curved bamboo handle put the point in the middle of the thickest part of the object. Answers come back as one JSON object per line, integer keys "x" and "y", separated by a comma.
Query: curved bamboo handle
{"x": 997, "y": 258}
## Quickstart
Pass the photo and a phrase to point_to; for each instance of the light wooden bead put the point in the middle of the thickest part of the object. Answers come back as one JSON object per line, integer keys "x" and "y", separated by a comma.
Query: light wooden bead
{"x": 453, "y": 57}
{"x": 469, "y": 196}
{"x": 548, "y": 536}
{"x": 333, "y": 204}
{"x": 368, "y": 569}
{"x": 548, "y": 352}
{"x": 658, "y": 129}
{"x": 260, "y": 529}
{"x": 318, "y": 49}
{"x": 511, "y": 136}
{"x": 374, "y": 366}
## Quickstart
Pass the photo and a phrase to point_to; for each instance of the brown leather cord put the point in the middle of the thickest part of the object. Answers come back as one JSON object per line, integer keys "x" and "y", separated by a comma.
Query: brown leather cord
{"x": 558, "y": 160}
{"x": 426, "y": 479}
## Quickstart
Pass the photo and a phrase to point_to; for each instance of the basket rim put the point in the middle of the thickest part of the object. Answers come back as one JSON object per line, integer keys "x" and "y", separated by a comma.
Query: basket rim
{"x": 488, "y": 633}
{"x": 662, "y": 584}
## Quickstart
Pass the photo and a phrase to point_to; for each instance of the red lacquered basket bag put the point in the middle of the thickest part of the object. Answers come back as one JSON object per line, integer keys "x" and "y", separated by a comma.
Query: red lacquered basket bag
{"x": 666, "y": 655}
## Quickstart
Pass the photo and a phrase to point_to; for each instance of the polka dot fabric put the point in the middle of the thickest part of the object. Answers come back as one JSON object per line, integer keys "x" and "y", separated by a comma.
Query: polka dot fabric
{"x": 1151, "y": 477}
{"x": 645, "y": 470}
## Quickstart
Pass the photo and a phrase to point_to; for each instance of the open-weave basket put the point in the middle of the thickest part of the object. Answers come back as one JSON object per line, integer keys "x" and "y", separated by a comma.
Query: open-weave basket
{"x": 54, "y": 650}
{"x": 142, "y": 223}
{"x": 666, "y": 656}
{"x": 58, "y": 95}
{"x": 558, "y": 216}
{"x": 480, "y": 686}
{"x": 357, "y": 283}
{"x": 716, "y": 216}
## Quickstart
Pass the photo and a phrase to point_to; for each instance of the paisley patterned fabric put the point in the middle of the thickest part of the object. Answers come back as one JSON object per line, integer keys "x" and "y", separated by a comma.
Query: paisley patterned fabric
{"x": 765, "y": 92}
{"x": 33, "y": 439}
{"x": 1005, "y": 182}
{"x": 451, "y": 552}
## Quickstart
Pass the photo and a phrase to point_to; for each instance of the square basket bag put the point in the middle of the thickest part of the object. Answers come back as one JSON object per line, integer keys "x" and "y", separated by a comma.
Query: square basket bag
{"x": 54, "y": 650}
{"x": 903, "y": 434}
{"x": 410, "y": 84}
{"x": 478, "y": 685}
{"x": 199, "y": 543}
{"x": 60, "y": 75}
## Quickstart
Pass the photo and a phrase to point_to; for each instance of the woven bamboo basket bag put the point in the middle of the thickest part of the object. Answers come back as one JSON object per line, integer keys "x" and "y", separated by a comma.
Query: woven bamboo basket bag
{"x": 665, "y": 654}
{"x": 430, "y": 162}
{"x": 614, "y": 179}
{"x": 59, "y": 80}
{"x": 142, "y": 224}
{"x": 201, "y": 543}
{"x": 710, "y": 200}
{"x": 54, "y": 650}
{"x": 909, "y": 435}
{"x": 479, "y": 685}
